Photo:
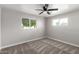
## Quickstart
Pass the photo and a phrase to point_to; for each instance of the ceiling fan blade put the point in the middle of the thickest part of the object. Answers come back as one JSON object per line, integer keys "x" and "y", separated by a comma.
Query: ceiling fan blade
{"x": 41, "y": 12}
{"x": 39, "y": 9}
{"x": 48, "y": 12}
{"x": 53, "y": 9}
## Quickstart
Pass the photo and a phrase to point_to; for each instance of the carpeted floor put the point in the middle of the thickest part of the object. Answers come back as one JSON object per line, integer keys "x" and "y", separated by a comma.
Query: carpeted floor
{"x": 41, "y": 46}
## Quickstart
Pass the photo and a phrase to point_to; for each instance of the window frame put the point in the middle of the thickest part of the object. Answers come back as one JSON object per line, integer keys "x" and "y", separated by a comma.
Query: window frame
{"x": 30, "y": 22}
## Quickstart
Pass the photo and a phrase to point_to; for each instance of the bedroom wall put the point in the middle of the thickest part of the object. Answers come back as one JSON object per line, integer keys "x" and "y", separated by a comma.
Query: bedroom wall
{"x": 68, "y": 31}
{"x": 13, "y": 32}
{"x": 0, "y": 27}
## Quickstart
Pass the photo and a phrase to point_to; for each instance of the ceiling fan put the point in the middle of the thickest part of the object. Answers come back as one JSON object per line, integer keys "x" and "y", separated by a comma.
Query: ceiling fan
{"x": 45, "y": 8}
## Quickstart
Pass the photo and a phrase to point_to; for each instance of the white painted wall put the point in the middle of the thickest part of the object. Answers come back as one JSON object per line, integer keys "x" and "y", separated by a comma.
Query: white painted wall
{"x": 66, "y": 33}
{"x": 0, "y": 27}
{"x": 13, "y": 32}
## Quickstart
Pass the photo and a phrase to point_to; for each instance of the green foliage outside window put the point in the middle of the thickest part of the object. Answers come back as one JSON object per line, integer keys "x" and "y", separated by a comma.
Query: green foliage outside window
{"x": 25, "y": 22}
{"x": 33, "y": 23}
{"x": 28, "y": 23}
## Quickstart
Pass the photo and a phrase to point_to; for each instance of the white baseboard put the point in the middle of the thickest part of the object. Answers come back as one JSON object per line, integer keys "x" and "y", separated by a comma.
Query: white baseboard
{"x": 64, "y": 42}
{"x": 21, "y": 42}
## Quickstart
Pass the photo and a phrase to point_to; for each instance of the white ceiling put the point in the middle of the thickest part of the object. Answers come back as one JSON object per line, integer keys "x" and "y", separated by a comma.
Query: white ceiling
{"x": 30, "y": 8}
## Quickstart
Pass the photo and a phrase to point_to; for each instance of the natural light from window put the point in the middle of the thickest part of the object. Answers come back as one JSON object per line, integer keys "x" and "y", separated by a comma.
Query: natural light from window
{"x": 60, "y": 22}
{"x": 28, "y": 24}
{"x": 28, "y": 27}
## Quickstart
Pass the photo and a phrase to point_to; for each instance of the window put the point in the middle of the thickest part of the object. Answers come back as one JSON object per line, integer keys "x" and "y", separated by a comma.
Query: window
{"x": 33, "y": 23}
{"x": 55, "y": 22}
{"x": 63, "y": 21}
{"x": 60, "y": 22}
{"x": 28, "y": 24}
